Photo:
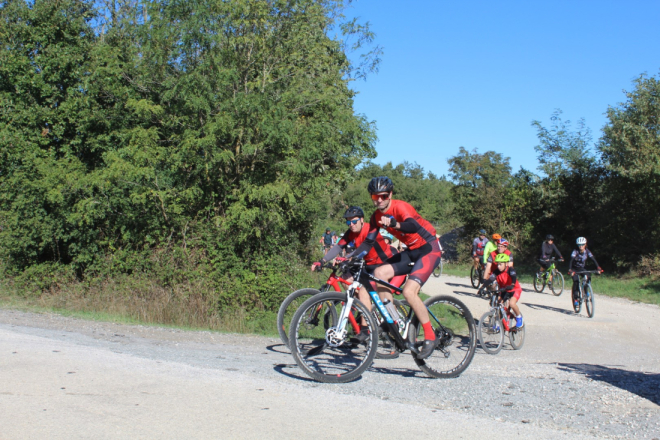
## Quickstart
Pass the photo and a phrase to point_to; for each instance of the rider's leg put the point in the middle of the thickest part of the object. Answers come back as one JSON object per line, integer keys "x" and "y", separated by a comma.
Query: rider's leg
{"x": 576, "y": 281}
{"x": 475, "y": 262}
{"x": 384, "y": 272}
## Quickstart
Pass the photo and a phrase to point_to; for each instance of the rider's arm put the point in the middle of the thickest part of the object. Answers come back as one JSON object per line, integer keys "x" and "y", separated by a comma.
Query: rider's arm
{"x": 332, "y": 253}
{"x": 594, "y": 260}
{"x": 570, "y": 263}
{"x": 474, "y": 247}
{"x": 409, "y": 226}
{"x": 554, "y": 248}
{"x": 514, "y": 279}
{"x": 335, "y": 250}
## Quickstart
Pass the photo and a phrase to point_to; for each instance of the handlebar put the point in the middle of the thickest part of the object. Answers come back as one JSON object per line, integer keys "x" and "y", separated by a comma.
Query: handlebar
{"x": 585, "y": 272}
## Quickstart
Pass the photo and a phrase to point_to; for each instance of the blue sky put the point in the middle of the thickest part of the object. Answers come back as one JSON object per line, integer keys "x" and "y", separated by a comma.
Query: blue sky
{"x": 476, "y": 73}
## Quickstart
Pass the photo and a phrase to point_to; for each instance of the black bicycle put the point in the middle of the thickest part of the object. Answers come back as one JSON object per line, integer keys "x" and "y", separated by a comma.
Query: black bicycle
{"x": 338, "y": 355}
{"x": 585, "y": 293}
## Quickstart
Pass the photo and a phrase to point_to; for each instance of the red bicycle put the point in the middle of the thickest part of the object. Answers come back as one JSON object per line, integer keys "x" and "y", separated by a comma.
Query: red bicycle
{"x": 498, "y": 320}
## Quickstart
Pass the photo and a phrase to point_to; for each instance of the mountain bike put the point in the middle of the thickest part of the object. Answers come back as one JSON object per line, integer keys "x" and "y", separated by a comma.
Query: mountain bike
{"x": 498, "y": 320}
{"x": 476, "y": 275}
{"x": 335, "y": 355}
{"x": 585, "y": 292}
{"x": 328, "y": 315}
{"x": 294, "y": 300}
{"x": 557, "y": 282}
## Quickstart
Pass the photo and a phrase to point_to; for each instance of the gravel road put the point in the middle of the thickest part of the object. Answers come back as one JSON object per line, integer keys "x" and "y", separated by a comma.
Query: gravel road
{"x": 575, "y": 378}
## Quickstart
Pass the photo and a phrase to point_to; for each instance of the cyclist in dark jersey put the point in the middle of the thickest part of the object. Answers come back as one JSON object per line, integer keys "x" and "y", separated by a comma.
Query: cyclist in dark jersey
{"x": 548, "y": 248}
{"x": 422, "y": 250}
{"x": 578, "y": 262}
{"x": 478, "y": 245}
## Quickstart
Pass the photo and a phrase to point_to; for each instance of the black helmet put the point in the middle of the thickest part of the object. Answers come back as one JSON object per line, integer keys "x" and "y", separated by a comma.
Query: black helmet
{"x": 354, "y": 211}
{"x": 380, "y": 185}
{"x": 549, "y": 237}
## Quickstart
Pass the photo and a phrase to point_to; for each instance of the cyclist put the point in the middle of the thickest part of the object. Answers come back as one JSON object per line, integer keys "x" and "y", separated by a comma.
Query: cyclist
{"x": 478, "y": 245}
{"x": 490, "y": 247}
{"x": 326, "y": 241}
{"x": 548, "y": 248}
{"x": 422, "y": 250}
{"x": 356, "y": 235}
{"x": 578, "y": 262}
{"x": 502, "y": 248}
{"x": 507, "y": 278}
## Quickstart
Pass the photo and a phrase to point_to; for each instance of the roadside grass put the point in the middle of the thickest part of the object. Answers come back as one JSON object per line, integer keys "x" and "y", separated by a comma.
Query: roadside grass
{"x": 194, "y": 305}
{"x": 629, "y": 286}
{"x": 189, "y": 306}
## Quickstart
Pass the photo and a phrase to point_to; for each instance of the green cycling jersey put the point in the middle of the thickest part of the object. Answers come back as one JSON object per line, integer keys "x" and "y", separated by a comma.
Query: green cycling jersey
{"x": 490, "y": 247}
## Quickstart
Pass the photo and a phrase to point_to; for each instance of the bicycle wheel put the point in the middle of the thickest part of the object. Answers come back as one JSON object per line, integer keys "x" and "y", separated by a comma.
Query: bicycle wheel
{"x": 288, "y": 309}
{"x": 386, "y": 347}
{"x": 475, "y": 277}
{"x": 455, "y": 332}
{"x": 438, "y": 270}
{"x": 589, "y": 300}
{"x": 517, "y": 336}
{"x": 331, "y": 355}
{"x": 491, "y": 333}
{"x": 539, "y": 282}
{"x": 557, "y": 285}
{"x": 577, "y": 307}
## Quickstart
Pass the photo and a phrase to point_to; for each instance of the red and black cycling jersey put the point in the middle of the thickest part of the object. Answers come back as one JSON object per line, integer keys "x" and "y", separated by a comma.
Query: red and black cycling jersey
{"x": 491, "y": 257}
{"x": 380, "y": 252}
{"x": 413, "y": 231}
{"x": 507, "y": 277}
{"x": 377, "y": 254}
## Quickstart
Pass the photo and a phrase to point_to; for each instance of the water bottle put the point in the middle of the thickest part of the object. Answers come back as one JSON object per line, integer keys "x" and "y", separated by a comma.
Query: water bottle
{"x": 392, "y": 310}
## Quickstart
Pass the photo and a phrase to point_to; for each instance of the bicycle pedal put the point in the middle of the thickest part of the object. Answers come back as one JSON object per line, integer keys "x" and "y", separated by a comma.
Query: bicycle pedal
{"x": 413, "y": 347}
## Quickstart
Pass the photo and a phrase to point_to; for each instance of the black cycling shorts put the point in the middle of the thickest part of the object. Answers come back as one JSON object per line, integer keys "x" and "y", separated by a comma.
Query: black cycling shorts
{"x": 424, "y": 259}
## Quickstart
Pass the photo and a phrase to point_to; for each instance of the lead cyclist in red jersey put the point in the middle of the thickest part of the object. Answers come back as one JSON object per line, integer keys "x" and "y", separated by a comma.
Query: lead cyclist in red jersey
{"x": 422, "y": 250}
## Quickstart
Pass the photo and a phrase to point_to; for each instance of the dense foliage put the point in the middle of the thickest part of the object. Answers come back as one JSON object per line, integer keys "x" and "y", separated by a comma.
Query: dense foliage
{"x": 213, "y": 125}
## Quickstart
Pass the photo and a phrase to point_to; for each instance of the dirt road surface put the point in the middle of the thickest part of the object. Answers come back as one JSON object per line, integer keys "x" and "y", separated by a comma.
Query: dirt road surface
{"x": 65, "y": 378}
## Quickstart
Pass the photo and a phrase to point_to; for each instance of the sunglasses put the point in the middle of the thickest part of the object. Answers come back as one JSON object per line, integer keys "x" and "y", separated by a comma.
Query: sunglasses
{"x": 352, "y": 222}
{"x": 380, "y": 196}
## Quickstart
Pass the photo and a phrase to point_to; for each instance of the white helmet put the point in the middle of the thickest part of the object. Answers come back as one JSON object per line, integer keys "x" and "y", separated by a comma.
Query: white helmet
{"x": 580, "y": 241}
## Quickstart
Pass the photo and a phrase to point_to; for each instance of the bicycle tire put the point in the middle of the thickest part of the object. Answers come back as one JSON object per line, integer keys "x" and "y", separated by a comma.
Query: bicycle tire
{"x": 517, "y": 338}
{"x": 456, "y": 346}
{"x": 437, "y": 272}
{"x": 322, "y": 362}
{"x": 288, "y": 309}
{"x": 386, "y": 346}
{"x": 589, "y": 301}
{"x": 577, "y": 307}
{"x": 539, "y": 282}
{"x": 475, "y": 277}
{"x": 557, "y": 286}
{"x": 491, "y": 333}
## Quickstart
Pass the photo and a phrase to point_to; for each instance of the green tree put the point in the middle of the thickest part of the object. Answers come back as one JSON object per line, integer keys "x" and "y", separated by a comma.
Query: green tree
{"x": 630, "y": 148}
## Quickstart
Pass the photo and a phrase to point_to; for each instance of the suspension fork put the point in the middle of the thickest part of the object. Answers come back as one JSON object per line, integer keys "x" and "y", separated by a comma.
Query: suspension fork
{"x": 346, "y": 314}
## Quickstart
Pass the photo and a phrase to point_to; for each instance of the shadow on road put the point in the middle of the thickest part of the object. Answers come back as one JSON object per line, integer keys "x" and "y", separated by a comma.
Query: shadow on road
{"x": 403, "y": 372}
{"x": 459, "y": 285}
{"x": 554, "y": 309}
{"x": 473, "y": 295}
{"x": 646, "y": 385}
{"x": 280, "y": 368}
{"x": 278, "y": 348}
